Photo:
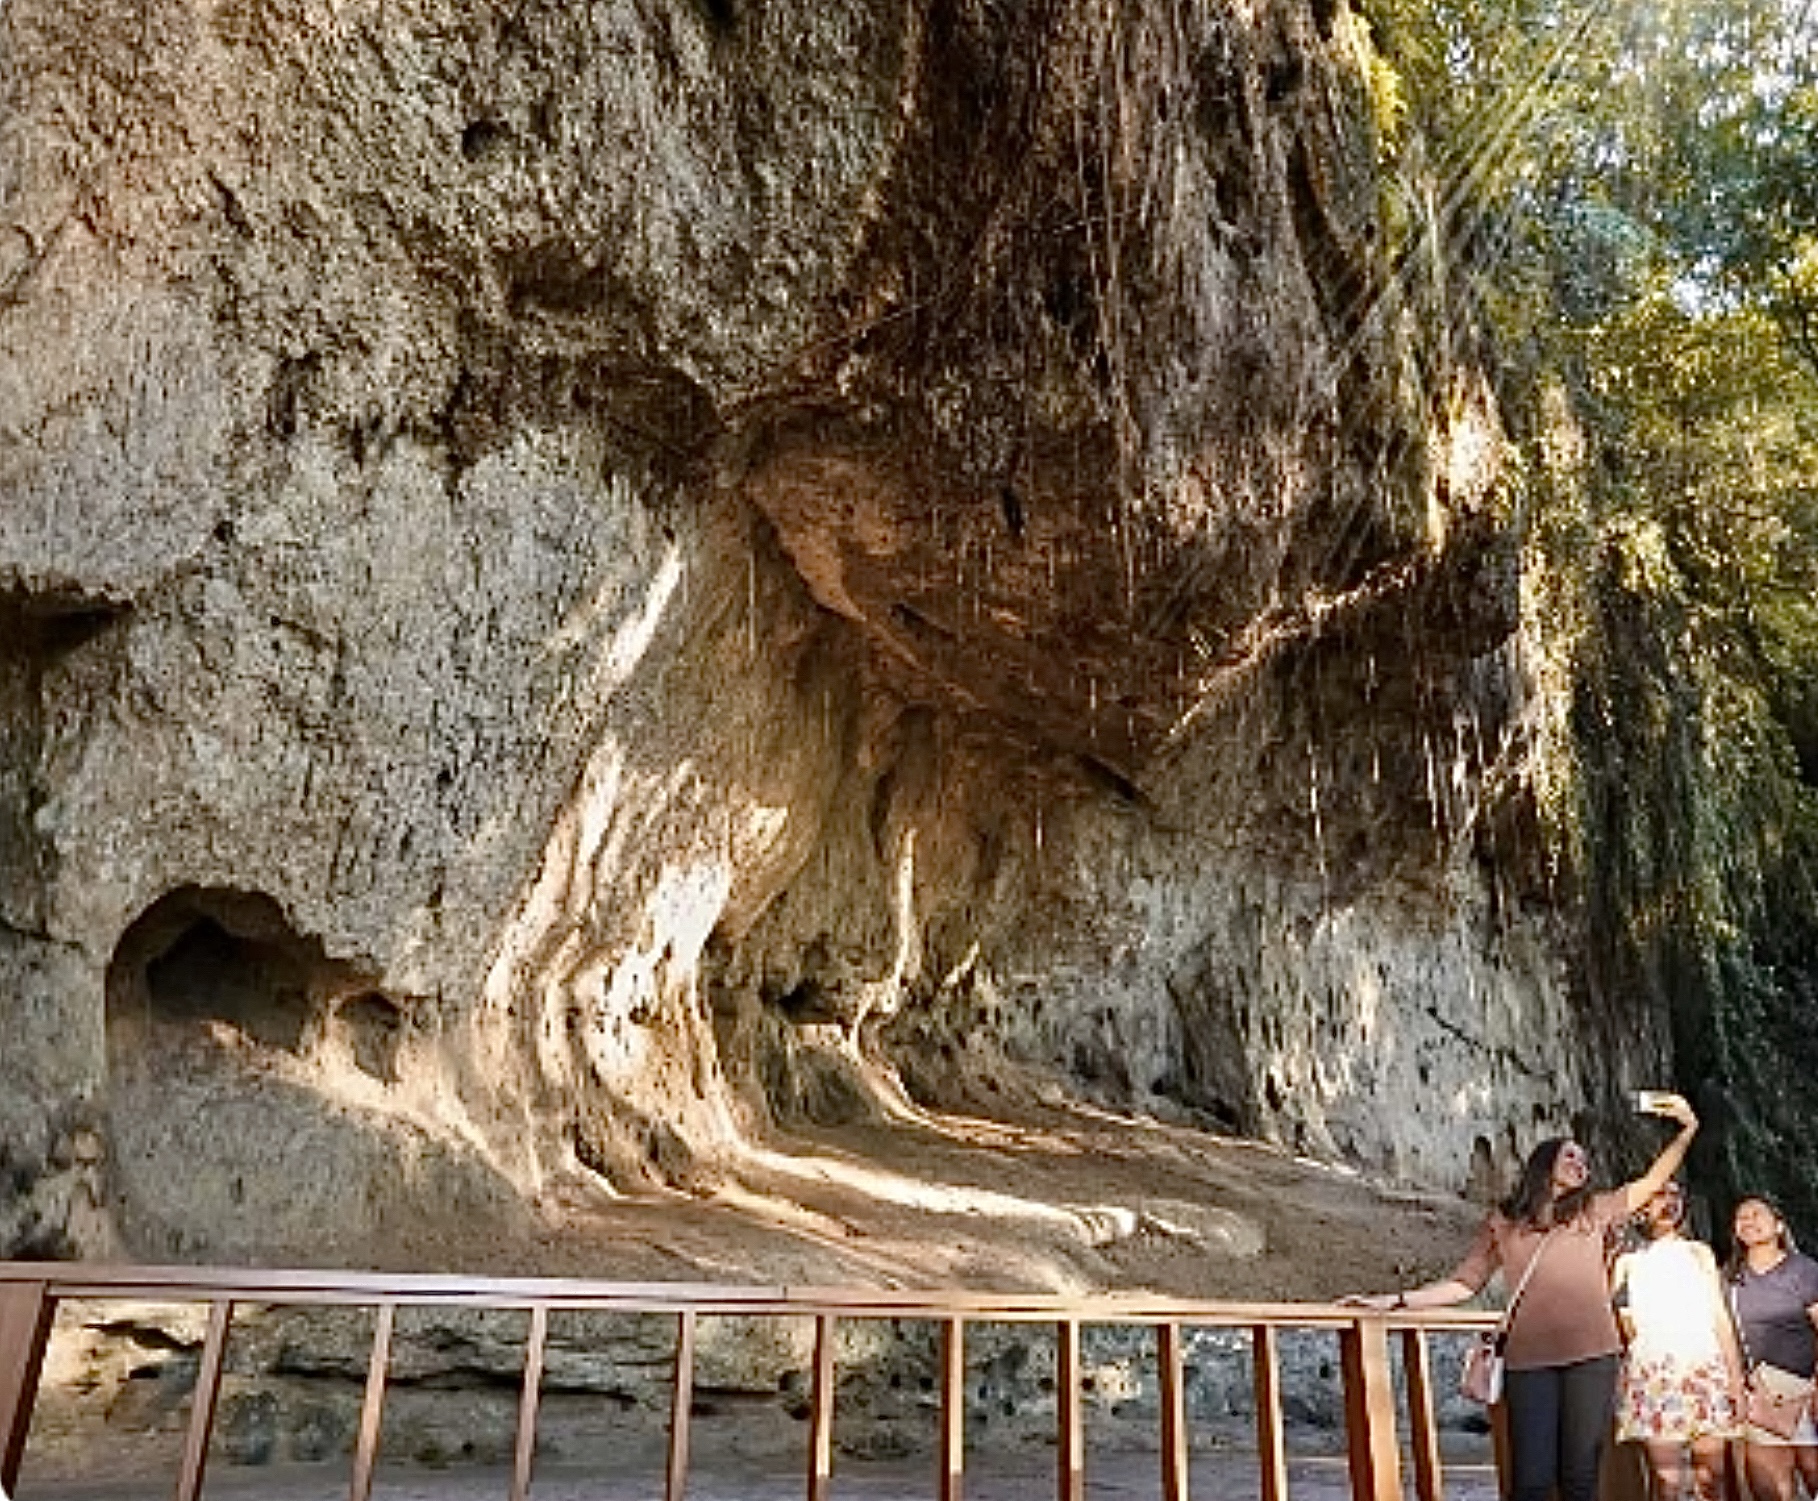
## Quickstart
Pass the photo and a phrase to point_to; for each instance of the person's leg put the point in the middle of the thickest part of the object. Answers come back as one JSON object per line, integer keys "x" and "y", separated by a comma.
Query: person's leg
{"x": 1667, "y": 1467}
{"x": 1531, "y": 1403}
{"x": 1709, "y": 1456}
{"x": 1587, "y": 1396}
{"x": 1769, "y": 1469}
{"x": 1805, "y": 1460}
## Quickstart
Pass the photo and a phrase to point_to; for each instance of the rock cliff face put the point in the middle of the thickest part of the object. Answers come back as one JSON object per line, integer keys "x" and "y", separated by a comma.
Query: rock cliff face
{"x": 575, "y": 576}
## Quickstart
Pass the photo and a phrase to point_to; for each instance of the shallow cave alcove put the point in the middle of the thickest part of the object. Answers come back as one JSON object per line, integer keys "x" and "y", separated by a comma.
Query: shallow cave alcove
{"x": 215, "y": 962}
{"x": 217, "y": 1103}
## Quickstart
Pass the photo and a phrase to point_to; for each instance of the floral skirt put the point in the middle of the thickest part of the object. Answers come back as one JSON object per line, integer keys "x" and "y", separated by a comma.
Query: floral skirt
{"x": 1665, "y": 1397}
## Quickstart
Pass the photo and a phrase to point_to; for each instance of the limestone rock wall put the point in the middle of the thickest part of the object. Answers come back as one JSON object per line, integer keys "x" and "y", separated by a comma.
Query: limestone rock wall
{"x": 560, "y": 563}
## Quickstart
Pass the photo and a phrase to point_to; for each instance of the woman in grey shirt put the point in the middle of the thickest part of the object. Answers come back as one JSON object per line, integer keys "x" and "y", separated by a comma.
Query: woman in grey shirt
{"x": 1774, "y": 1289}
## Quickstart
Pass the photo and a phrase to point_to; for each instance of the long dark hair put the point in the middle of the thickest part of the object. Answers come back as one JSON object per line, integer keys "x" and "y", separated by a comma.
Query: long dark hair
{"x": 1738, "y": 1257}
{"x": 1534, "y": 1193}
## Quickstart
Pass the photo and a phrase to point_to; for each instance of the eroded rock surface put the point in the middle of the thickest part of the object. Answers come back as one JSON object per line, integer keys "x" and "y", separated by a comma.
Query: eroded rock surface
{"x": 579, "y": 583}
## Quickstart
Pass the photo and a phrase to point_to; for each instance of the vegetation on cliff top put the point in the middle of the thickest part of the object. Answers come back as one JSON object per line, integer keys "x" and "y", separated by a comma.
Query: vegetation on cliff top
{"x": 1635, "y": 185}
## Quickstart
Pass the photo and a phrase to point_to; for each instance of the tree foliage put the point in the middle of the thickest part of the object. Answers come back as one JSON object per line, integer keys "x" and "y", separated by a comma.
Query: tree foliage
{"x": 1635, "y": 186}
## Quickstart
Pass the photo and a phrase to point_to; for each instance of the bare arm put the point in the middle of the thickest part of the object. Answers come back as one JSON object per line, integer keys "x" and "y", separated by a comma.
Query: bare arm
{"x": 1660, "y": 1173}
{"x": 1440, "y": 1294}
{"x": 1465, "y": 1280}
{"x": 1725, "y": 1320}
{"x": 1619, "y": 1295}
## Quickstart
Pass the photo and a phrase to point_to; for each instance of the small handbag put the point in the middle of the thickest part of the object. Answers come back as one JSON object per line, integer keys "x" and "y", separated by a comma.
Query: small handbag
{"x": 1774, "y": 1412}
{"x": 1480, "y": 1378}
{"x": 1774, "y": 1407}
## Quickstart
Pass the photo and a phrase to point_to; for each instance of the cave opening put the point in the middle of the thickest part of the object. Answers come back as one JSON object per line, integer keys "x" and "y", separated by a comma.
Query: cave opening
{"x": 240, "y": 1059}
{"x": 199, "y": 961}
{"x": 256, "y": 987}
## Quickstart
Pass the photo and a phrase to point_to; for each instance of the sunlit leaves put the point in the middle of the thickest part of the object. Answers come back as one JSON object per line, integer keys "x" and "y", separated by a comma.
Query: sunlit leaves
{"x": 1634, "y": 185}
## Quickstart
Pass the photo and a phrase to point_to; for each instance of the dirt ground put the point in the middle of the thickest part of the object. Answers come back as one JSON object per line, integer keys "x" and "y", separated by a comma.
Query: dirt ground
{"x": 1061, "y": 1198}
{"x": 1051, "y": 1195}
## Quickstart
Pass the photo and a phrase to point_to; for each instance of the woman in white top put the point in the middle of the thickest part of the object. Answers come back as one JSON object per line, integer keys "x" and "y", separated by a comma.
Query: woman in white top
{"x": 1680, "y": 1391}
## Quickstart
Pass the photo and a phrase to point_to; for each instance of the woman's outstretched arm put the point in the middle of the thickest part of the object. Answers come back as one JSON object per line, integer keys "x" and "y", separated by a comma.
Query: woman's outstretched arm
{"x": 1660, "y": 1173}
{"x": 1465, "y": 1280}
{"x": 1440, "y": 1294}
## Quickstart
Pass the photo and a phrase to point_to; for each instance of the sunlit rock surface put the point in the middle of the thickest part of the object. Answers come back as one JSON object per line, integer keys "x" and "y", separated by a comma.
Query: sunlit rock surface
{"x": 582, "y": 584}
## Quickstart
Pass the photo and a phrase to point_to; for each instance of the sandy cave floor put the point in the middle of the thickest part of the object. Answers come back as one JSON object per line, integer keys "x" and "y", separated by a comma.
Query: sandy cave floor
{"x": 1063, "y": 1197}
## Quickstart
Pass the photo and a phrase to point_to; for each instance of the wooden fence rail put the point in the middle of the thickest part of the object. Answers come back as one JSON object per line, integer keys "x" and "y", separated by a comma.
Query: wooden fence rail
{"x": 30, "y": 1293}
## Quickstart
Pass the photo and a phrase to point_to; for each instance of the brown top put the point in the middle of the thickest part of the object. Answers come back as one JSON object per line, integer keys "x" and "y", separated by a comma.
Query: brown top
{"x": 1565, "y": 1315}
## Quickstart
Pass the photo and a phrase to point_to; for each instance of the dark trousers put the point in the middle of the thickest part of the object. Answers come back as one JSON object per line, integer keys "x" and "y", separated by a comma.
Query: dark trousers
{"x": 1559, "y": 1419}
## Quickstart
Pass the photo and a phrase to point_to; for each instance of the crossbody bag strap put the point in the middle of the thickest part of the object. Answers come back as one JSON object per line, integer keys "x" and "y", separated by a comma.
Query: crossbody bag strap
{"x": 1742, "y": 1341}
{"x": 1749, "y": 1367}
{"x": 1508, "y": 1312}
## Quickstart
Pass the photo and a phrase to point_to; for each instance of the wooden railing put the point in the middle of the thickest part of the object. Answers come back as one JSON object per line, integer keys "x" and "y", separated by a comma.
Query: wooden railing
{"x": 30, "y": 1293}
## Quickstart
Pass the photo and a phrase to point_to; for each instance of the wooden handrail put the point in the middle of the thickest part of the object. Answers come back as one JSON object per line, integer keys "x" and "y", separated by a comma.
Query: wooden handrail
{"x": 29, "y": 1293}
{"x": 200, "y": 1284}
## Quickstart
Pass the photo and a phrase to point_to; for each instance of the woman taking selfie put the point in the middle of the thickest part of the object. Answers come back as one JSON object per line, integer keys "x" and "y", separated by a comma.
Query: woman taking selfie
{"x": 1775, "y": 1291}
{"x": 1547, "y": 1238}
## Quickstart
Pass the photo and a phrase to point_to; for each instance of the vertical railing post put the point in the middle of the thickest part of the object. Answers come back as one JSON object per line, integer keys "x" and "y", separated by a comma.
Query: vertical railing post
{"x": 528, "y": 1397}
{"x": 26, "y": 1312}
{"x": 1423, "y": 1430}
{"x": 820, "y": 1430}
{"x": 1370, "y": 1411}
{"x": 681, "y": 1407}
{"x": 372, "y": 1410}
{"x": 202, "y": 1400}
{"x": 1171, "y": 1370}
{"x": 1271, "y": 1437}
{"x": 953, "y": 1409}
{"x": 1070, "y": 1436}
